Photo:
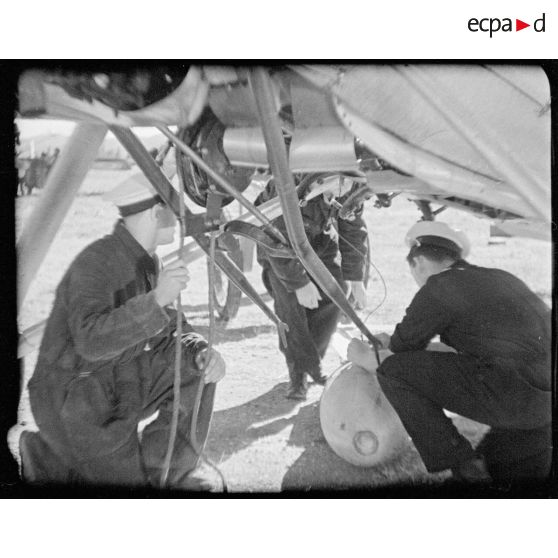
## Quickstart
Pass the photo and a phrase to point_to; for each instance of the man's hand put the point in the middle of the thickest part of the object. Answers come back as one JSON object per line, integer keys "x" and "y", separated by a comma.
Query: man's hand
{"x": 359, "y": 293}
{"x": 361, "y": 354}
{"x": 172, "y": 280}
{"x": 308, "y": 296}
{"x": 215, "y": 369}
{"x": 384, "y": 339}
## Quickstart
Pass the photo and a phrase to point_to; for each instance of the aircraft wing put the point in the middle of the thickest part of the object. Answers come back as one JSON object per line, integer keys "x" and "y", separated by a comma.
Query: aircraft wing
{"x": 473, "y": 137}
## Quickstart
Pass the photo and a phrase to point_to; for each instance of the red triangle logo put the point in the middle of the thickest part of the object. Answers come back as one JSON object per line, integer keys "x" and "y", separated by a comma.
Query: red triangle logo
{"x": 519, "y": 25}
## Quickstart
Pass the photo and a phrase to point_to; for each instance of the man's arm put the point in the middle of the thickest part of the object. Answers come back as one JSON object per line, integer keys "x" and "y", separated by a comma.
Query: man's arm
{"x": 101, "y": 332}
{"x": 353, "y": 236}
{"x": 425, "y": 318}
{"x": 353, "y": 246}
{"x": 290, "y": 272}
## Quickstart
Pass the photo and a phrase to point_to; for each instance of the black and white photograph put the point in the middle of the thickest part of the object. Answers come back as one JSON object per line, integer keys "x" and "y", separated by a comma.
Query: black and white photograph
{"x": 284, "y": 279}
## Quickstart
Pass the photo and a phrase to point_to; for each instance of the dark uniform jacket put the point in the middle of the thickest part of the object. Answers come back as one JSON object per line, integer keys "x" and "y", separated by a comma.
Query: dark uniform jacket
{"x": 485, "y": 313}
{"x": 104, "y": 342}
{"x": 320, "y": 220}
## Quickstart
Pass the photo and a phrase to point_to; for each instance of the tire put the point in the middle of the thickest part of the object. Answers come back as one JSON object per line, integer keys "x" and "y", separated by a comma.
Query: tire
{"x": 367, "y": 263}
{"x": 206, "y": 138}
{"x": 226, "y": 296}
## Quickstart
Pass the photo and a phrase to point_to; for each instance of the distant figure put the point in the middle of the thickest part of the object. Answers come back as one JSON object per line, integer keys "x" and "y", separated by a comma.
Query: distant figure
{"x": 36, "y": 172}
{"x": 35, "y": 175}
{"x": 22, "y": 165}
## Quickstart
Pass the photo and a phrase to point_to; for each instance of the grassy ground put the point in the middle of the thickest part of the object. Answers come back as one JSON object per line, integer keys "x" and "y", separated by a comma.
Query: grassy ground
{"x": 262, "y": 441}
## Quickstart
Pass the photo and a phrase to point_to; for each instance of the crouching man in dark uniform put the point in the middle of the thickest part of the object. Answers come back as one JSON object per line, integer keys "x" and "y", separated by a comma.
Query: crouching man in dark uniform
{"x": 500, "y": 374}
{"x": 341, "y": 244}
{"x": 106, "y": 360}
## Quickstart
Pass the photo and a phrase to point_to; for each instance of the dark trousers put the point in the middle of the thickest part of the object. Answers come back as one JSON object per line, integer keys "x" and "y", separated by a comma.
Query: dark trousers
{"x": 96, "y": 442}
{"x": 420, "y": 384}
{"x": 155, "y": 437}
{"x": 310, "y": 330}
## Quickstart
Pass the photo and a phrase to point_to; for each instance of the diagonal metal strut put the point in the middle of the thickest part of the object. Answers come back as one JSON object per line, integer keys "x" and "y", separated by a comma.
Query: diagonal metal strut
{"x": 277, "y": 154}
{"x": 161, "y": 183}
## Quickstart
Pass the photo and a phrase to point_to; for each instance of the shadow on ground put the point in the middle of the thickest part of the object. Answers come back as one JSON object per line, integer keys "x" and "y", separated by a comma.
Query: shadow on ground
{"x": 318, "y": 467}
{"x": 232, "y": 430}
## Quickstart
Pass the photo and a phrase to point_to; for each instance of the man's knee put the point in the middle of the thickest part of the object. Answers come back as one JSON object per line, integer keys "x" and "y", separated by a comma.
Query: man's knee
{"x": 399, "y": 365}
{"x": 390, "y": 372}
{"x": 405, "y": 370}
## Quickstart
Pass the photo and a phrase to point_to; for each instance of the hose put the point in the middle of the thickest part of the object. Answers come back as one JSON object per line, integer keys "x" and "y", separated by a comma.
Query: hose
{"x": 378, "y": 272}
{"x": 178, "y": 361}
{"x": 201, "y": 382}
{"x": 177, "y": 354}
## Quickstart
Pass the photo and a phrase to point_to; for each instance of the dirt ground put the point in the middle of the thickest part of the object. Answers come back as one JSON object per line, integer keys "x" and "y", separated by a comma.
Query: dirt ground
{"x": 261, "y": 441}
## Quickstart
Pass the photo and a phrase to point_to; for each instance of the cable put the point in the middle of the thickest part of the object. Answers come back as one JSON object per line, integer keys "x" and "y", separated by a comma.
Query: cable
{"x": 377, "y": 271}
{"x": 385, "y": 292}
{"x": 177, "y": 354}
{"x": 201, "y": 382}
{"x": 178, "y": 362}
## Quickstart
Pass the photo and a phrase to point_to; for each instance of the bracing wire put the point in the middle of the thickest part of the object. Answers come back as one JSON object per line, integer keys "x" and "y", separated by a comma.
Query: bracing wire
{"x": 384, "y": 297}
{"x": 379, "y": 273}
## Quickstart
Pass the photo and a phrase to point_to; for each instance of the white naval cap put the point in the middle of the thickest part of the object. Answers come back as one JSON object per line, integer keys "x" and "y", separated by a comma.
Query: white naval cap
{"x": 133, "y": 195}
{"x": 429, "y": 232}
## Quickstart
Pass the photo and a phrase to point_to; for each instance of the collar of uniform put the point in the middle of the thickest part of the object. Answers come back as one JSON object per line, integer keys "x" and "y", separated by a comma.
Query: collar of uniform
{"x": 137, "y": 251}
{"x": 459, "y": 264}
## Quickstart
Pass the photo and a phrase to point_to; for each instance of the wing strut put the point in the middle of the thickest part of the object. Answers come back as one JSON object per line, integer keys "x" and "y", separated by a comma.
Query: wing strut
{"x": 61, "y": 186}
{"x": 161, "y": 183}
{"x": 286, "y": 191}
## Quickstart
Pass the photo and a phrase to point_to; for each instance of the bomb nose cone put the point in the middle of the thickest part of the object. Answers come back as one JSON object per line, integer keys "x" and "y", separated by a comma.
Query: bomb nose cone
{"x": 366, "y": 442}
{"x": 357, "y": 420}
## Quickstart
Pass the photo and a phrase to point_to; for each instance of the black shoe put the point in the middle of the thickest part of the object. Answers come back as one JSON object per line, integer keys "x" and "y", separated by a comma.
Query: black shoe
{"x": 297, "y": 392}
{"x": 319, "y": 379}
{"x": 473, "y": 470}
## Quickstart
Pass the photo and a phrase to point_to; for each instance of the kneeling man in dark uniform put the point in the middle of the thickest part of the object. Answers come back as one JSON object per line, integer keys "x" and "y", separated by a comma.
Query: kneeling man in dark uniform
{"x": 107, "y": 358}
{"x": 500, "y": 374}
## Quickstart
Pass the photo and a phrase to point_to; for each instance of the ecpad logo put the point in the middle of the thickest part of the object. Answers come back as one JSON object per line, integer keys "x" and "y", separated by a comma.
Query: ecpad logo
{"x": 494, "y": 24}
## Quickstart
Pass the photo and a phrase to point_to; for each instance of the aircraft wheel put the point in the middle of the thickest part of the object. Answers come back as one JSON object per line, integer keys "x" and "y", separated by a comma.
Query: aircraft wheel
{"x": 226, "y": 295}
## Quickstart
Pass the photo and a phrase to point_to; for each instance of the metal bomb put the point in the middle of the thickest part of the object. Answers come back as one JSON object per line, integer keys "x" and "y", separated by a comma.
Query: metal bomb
{"x": 357, "y": 420}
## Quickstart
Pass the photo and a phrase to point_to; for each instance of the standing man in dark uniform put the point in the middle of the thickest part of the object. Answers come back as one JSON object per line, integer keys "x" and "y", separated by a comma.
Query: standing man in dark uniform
{"x": 106, "y": 361}
{"x": 499, "y": 374}
{"x": 310, "y": 315}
